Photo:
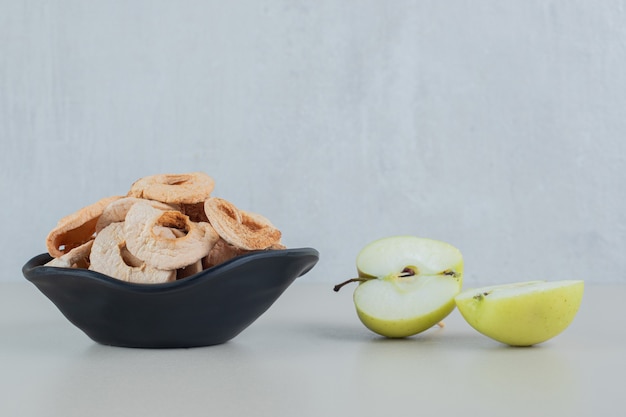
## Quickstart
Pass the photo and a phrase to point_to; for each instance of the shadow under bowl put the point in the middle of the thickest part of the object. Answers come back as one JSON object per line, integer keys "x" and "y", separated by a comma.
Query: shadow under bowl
{"x": 208, "y": 308}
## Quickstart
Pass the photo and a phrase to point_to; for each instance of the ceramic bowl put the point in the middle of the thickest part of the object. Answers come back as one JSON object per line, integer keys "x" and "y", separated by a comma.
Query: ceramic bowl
{"x": 208, "y": 308}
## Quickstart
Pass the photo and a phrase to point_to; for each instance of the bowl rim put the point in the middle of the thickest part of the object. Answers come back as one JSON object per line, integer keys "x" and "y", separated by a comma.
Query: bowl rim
{"x": 34, "y": 269}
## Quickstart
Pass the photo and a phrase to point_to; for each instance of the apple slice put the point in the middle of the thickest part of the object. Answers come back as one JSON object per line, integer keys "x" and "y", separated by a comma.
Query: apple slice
{"x": 407, "y": 284}
{"x": 524, "y": 313}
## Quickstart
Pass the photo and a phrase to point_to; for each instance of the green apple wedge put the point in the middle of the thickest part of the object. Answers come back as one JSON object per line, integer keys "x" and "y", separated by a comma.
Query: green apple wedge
{"x": 407, "y": 284}
{"x": 523, "y": 313}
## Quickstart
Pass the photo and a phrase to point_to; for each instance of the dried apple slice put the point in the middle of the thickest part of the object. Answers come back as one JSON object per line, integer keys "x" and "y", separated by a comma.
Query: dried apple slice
{"x": 110, "y": 256}
{"x": 243, "y": 229}
{"x": 77, "y": 228}
{"x": 189, "y": 188}
{"x": 187, "y": 243}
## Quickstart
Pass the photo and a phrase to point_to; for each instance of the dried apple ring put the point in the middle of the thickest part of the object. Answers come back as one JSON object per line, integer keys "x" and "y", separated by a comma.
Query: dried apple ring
{"x": 189, "y": 188}
{"x": 116, "y": 211}
{"x": 75, "y": 258}
{"x": 189, "y": 270}
{"x": 245, "y": 230}
{"x": 195, "y": 212}
{"x": 221, "y": 252}
{"x": 145, "y": 238}
{"x": 110, "y": 256}
{"x": 77, "y": 228}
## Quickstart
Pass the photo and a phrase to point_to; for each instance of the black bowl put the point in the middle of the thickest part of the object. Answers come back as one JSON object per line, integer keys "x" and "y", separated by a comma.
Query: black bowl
{"x": 208, "y": 308}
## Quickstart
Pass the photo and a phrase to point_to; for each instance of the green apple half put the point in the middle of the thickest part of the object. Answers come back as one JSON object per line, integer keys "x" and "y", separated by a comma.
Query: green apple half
{"x": 522, "y": 314}
{"x": 407, "y": 284}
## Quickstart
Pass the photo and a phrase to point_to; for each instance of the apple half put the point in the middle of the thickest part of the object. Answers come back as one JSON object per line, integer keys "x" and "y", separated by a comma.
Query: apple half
{"x": 407, "y": 284}
{"x": 524, "y": 313}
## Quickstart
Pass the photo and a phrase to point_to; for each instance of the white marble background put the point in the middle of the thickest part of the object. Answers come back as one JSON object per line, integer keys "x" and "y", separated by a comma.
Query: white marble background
{"x": 496, "y": 126}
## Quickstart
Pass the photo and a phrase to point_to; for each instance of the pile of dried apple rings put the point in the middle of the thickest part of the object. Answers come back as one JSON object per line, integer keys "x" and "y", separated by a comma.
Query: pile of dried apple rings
{"x": 167, "y": 227}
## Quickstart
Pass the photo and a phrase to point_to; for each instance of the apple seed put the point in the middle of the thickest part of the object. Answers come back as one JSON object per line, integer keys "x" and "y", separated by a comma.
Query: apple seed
{"x": 481, "y": 295}
{"x": 407, "y": 272}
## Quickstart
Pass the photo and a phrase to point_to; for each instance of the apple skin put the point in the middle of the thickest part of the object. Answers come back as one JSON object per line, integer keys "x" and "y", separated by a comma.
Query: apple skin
{"x": 524, "y": 319}
{"x": 381, "y": 263}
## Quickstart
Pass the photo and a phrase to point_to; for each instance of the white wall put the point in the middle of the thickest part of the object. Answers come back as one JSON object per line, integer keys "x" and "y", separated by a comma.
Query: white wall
{"x": 497, "y": 126}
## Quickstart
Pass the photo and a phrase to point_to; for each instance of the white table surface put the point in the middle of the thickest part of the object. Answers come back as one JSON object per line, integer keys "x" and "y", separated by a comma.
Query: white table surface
{"x": 310, "y": 356}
